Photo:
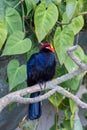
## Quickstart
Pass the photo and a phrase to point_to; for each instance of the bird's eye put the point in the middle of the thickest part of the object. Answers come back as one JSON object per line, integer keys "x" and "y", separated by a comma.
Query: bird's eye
{"x": 47, "y": 47}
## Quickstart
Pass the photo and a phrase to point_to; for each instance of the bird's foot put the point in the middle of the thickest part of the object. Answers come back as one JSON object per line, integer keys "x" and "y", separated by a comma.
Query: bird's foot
{"x": 42, "y": 85}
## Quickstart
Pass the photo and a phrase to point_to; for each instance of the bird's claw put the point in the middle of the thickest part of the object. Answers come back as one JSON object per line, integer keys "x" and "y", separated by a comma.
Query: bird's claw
{"x": 42, "y": 85}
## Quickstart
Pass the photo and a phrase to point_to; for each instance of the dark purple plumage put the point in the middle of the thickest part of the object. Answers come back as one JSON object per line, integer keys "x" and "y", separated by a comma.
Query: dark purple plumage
{"x": 40, "y": 68}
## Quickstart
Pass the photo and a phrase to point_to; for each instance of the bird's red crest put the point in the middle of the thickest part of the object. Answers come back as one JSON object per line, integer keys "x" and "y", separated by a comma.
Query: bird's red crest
{"x": 48, "y": 46}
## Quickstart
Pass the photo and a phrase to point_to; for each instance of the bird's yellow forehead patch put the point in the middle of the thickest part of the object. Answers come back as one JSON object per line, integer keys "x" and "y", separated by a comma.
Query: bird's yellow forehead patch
{"x": 51, "y": 45}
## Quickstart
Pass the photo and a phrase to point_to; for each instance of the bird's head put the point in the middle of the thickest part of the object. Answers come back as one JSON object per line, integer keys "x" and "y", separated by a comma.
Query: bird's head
{"x": 48, "y": 46}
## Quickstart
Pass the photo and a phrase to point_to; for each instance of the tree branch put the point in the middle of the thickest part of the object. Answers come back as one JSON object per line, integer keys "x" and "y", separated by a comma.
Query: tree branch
{"x": 18, "y": 95}
{"x": 71, "y": 96}
{"x": 74, "y": 58}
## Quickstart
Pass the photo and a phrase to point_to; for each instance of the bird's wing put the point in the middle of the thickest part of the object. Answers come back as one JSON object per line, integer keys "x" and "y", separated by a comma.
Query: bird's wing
{"x": 31, "y": 69}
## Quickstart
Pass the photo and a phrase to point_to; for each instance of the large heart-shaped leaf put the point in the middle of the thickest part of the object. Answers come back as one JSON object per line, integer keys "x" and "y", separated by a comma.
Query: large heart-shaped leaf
{"x": 29, "y": 5}
{"x": 16, "y": 44}
{"x": 62, "y": 41}
{"x": 3, "y": 34}
{"x": 11, "y": 3}
{"x": 77, "y": 24}
{"x": 12, "y": 20}
{"x": 2, "y": 7}
{"x": 16, "y": 74}
{"x": 44, "y": 19}
{"x": 70, "y": 8}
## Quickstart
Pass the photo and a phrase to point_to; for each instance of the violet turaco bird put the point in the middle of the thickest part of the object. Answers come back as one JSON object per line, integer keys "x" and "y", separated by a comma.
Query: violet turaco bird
{"x": 40, "y": 68}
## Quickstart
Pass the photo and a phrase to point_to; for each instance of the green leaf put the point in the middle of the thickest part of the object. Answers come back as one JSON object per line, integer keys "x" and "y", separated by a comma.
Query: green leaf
{"x": 35, "y": 1}
{"x": 11, "y": 106}
{"x": 72, "y": 106}
{"x": 77, "y": 124}
{"x": 44, "y": 19}
{"x": 3, "y": 34}
{"x": 47, "y": 2}
{"x": 85, "y": 114}
{"x": 73, "y": 7}
{"x": 62, "y": 41}
{"x": 56, "y": 1}
{"x": 12, "y": 20}
{"x": 20, "y": 86}
{"x": 51, "y": 1}
{"x": 77, "y": 24}
{"x": 29, "y": 124}
{"x": 29, "y": 5}
{"x": 70, "y": 64}
{"x": 66, "y": 124}
{"x": 16, "y": 74}
{"x": 32, "y": 51}
{"x": 55, "y": 124}
{"x": 84, "y": 5}
{"x": 75, "y": 83}
{"x": 53, "y": 127}
{"x": 85, "y": 59}
{"x": 79, "y": 53}
{"x": 84, "y": 97}
{"x": 79, "y": 6}
{"x": 2, "y": 7}
{"x": 56, "y": 99}
{"x": 11, "y": 3}
{"x": 70, "y": 8}
{"x": 61, "y": 129}
{"x": 16, "y": 44}
{"x": 72, "y": 120}
{"x": 67, "y": 113}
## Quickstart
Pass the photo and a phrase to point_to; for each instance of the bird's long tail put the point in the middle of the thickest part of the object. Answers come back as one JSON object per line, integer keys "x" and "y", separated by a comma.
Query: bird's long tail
{"x": 34, "y": 110}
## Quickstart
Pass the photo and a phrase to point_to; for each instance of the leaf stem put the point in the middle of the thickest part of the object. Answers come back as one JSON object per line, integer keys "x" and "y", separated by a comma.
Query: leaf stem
{"x": 67, "y": 23}
{"x": 23, "y": 14}
{"x": 56, "y": 118}
{"x": 17, "y": 4}
{"x": 82, "y": 13}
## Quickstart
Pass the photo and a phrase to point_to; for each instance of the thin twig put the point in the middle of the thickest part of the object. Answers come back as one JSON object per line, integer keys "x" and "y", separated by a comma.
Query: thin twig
{"x": 17, "y": 4}
{"x": 23, "y": 15}
{"x": 70, "y": 21}
{"x": 64, "y": 23}
{"x": 82, "y": 13}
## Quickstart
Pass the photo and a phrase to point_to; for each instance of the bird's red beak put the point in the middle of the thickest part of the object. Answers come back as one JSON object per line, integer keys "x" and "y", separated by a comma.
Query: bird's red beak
{"x": 51, "y": 48}
{"x": 48, "y": 46}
